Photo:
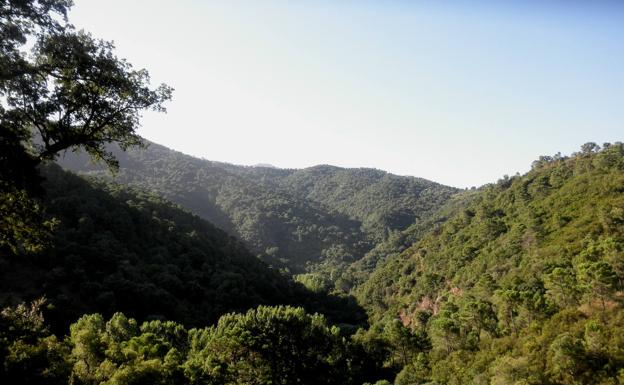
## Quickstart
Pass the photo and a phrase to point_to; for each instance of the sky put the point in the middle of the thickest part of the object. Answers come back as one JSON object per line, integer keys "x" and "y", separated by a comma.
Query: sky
{"x": 457, "y": 92}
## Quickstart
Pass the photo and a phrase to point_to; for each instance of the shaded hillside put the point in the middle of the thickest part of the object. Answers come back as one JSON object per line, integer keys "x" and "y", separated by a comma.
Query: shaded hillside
{"x": 120, "y": 249}
{"x": 292, "y": 217}
{"x": 522, "y": 283}
{"x": 382, "y": 202}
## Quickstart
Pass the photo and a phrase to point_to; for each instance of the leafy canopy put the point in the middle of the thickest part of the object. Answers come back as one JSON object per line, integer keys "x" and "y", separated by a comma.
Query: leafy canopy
{"x": 69, "y": 90}
{"x": 60, "y": 89}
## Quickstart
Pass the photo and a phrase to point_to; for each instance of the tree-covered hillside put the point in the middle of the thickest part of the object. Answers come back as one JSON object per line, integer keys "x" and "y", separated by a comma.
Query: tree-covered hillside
{"x": 116, "y": 249}
{"x": 382, "y": 202}
{"x": 398, "y": 241}
{"x": 519, "y": 282}
{"x": 522, "y": 284}
{"x": 294, "y": 218}
{"x": 120, "y": 249}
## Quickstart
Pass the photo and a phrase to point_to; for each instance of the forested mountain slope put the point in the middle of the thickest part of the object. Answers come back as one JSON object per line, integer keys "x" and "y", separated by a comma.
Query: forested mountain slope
{"x": 120, "y": 249}
{"x": 380, "y": 201}
{"x": 117, "y": 249}
{"x": 293, "y": 218}
{"x": 521, "y": 284}
{"x": 398, "y": 241}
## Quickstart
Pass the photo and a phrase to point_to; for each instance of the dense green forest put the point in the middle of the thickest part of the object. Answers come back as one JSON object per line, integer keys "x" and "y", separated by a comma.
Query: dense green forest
{"x": 120, "y": 249}
{"x": 518, "y": 282}
{"x": 359, "y": 271}
{"x": 267, "y": 345}
{"x": 522, "y": 284}
{"x": 396, "y": 280}
{"x": 297, "y": 219}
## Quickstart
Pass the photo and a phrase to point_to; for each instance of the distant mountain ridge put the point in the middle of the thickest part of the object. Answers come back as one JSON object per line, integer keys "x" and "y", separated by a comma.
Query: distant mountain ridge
{"x": 293, "y": 218}
{"x": 265, "y": 165}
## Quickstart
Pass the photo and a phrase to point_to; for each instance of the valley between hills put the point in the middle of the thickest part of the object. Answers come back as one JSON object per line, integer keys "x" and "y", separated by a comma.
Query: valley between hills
{"x": 401, "y": 278}
{"x": 123, "y": 262}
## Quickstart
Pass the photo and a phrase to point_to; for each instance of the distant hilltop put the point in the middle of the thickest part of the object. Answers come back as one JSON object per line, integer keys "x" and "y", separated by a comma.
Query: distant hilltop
{"x": 265, "y": 165}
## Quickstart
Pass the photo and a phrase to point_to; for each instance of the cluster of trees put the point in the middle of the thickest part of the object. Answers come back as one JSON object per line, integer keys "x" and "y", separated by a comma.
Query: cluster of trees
{"x": 267, "y": 345}
{"x": 522, "y": 283}
{"x": 317, "y": 219}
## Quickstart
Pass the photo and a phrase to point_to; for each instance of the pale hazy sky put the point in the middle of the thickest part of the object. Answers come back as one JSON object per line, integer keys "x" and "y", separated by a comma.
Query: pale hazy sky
{"x": 460, "y": 93}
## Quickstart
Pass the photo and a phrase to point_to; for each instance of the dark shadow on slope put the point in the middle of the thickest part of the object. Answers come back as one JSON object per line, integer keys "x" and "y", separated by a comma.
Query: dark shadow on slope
{"x": 118, "y": 249}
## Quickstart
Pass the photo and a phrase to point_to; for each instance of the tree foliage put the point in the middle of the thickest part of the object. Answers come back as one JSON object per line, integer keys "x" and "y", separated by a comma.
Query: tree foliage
{"x": 267, "y": 345}
{"x": 60, "y": 89}
{"x": 69, "y": 91}
{"x": 522, "y": 281}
